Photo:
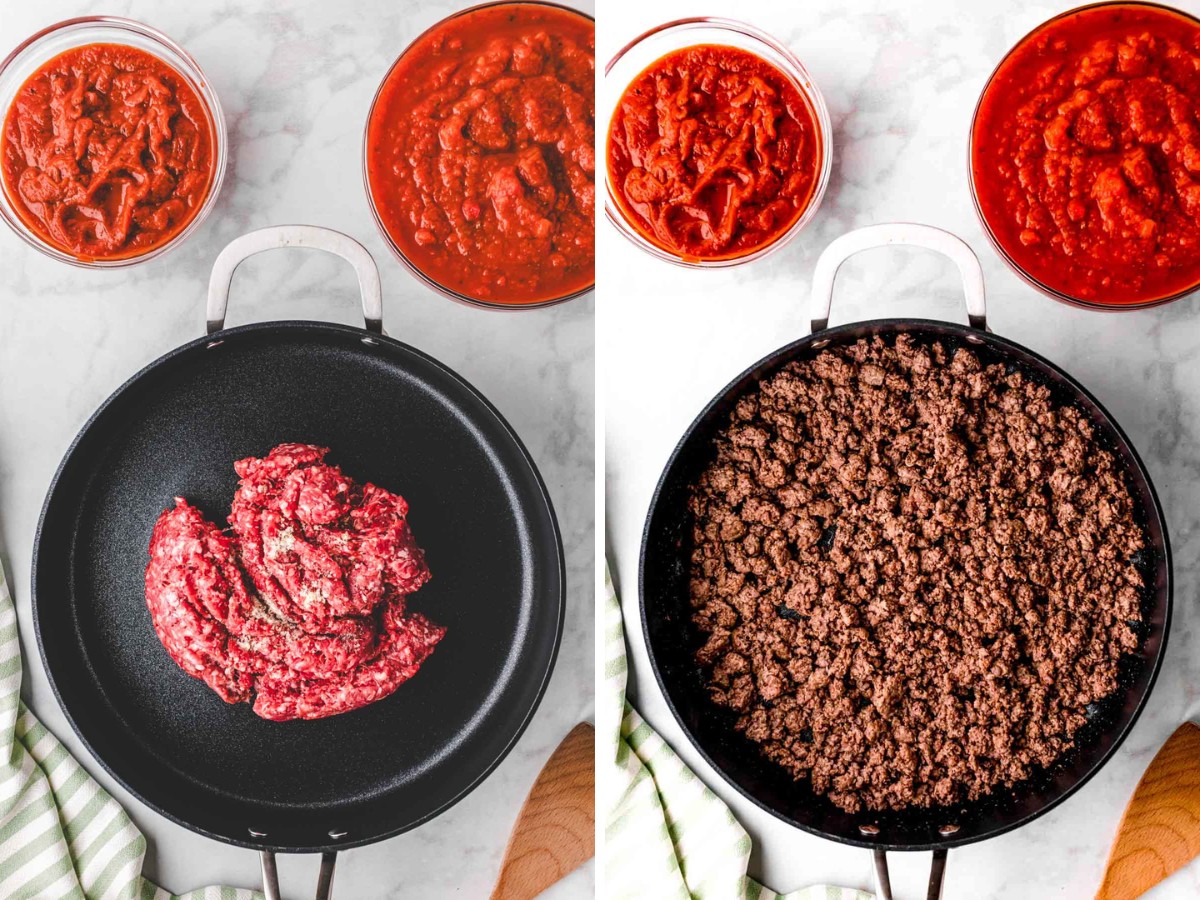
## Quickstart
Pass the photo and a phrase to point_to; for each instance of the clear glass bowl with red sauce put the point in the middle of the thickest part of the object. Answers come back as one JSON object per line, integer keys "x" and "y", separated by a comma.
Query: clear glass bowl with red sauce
{"x": 698, "y": 42}
{"x": 479, "y": 158}
{"x": 136, "y": 228}
{"x": 1084, "y": 156}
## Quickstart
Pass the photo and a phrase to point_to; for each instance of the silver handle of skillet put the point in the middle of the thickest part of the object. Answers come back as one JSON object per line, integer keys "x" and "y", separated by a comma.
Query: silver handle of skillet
{"x": 239, "y": 250}
{"x": 930, "y": 238}
{"x": 937, "y": 876}
{"x": 271, "y": 876}
{"x": 898, "y": 233}
{"x": 234, "y": 254}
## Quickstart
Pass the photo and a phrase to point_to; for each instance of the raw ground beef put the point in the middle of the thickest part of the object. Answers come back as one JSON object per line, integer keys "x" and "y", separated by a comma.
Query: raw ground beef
{"x": 914, "y": 573}
{"x": 301, "y": 610}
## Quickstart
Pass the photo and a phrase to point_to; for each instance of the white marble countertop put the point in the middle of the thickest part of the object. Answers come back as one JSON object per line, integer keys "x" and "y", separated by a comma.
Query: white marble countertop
{"x": 295, "y": 80}
{"x": 901, "y": 80}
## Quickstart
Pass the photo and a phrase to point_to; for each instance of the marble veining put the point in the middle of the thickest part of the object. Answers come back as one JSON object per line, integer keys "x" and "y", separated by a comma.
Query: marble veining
{"x": 901, "y": 80}
{"x": 296, "y": 80}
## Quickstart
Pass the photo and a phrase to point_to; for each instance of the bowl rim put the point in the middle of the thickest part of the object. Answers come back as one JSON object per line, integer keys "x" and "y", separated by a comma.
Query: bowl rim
{"x": 801, "y": 78}
{"x": 199, "y": 82}
{"x": 411, "y": 266}
{"x": 997, "y": 245}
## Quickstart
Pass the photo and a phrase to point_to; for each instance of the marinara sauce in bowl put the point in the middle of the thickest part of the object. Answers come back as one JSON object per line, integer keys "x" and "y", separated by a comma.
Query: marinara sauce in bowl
{"x": 479, "y": 156}
{"x": 1085, "y": 156}
{"x": 718, "y": 148}
{"x": 113, "y": 143}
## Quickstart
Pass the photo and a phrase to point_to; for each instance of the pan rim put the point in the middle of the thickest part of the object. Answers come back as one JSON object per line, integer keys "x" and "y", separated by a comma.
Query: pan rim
{"x": 546, "y": 504}
{"x": 896, "y": 325}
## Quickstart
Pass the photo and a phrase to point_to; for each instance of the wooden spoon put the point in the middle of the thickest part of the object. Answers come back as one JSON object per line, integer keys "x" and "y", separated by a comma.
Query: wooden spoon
{"x": 555, "y": 832}
{"x": 1160, "y": 831}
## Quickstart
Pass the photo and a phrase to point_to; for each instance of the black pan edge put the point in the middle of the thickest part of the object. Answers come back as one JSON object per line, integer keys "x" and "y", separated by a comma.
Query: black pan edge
{"x": 312, "y": 327}
{"x": 1153, "y": 512}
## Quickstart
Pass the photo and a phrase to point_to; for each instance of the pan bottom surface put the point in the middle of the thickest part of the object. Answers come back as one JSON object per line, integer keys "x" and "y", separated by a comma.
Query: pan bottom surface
{"x": 390, "y": 416}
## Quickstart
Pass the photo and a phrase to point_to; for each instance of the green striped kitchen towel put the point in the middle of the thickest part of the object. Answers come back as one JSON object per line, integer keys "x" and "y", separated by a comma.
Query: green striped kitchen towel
{"x": 667, "y": 836}
{"x": 61, "y": 836}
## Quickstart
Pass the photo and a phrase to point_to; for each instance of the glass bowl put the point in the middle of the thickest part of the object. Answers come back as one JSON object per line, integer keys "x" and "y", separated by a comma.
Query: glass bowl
{"x": 48, "y": 43}
{"x": 651, "y": 46}
{"x": 993, "y": 238}
{"x": 410, "y": 264}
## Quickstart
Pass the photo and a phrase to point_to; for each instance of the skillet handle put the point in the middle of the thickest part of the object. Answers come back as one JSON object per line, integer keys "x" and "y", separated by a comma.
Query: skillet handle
{"x": 271, "y": 876}
{"x": 240, "y": 249}
{"x": 937, "y": 876}
{"x": 893, "y": 233}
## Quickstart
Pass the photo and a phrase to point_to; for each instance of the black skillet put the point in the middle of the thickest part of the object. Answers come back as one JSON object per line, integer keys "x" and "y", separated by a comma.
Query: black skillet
{"x": 666, "y": 612}
{"x": 391, "y": 415}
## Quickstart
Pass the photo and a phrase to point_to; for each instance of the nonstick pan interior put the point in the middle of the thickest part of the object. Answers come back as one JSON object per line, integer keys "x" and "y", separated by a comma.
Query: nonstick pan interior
{"x": 390, "y": 415}
{"x": 672, "y": 640}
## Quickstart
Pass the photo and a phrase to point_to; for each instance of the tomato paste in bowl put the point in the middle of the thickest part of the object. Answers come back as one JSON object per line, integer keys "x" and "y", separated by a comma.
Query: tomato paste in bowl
{"x": 112, "y": 146}
{"x": 479, "y": 155}
{"x": 1085, "y": 156}
{"x": 718, "y": 145}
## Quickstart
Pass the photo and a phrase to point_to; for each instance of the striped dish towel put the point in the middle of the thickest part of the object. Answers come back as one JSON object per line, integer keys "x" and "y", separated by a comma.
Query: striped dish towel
{"x": 61, "y": 836}
{"x": 668, "y": 836}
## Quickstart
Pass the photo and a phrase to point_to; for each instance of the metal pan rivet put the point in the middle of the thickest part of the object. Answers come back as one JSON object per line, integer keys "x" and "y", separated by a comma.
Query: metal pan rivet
{"x": 817, "y": 345}
{"x": 370, "y": 341}
{"x": 974, "y": 339}
{"x": 947, "y": 830}
{"x": 256, "y": 834}
{"x": 868, "y": 830}
{"x": 338, "y": 835}
{"x": 212, "y": 344}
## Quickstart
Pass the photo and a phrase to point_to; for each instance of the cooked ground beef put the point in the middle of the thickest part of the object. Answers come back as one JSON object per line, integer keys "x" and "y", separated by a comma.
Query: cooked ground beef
{"x": 914, "y": 573}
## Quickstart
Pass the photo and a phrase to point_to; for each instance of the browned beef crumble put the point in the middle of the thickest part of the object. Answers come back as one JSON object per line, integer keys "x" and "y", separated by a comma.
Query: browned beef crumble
{"x": 914, "y": 573}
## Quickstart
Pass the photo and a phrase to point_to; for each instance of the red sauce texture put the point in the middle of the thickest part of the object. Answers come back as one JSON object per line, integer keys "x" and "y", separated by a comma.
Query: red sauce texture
{"x": 480, "y": 154}
{"x": 300, "y": 608}
{"x": 107, "y": 152}
{"x": 1085, "y": 155}
{"x": 713, "y": 153}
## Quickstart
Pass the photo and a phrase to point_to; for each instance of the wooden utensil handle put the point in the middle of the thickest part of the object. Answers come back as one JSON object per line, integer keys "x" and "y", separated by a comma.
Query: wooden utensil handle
{"x": 555, "y": 831}
{"x": 1160, "y": 831}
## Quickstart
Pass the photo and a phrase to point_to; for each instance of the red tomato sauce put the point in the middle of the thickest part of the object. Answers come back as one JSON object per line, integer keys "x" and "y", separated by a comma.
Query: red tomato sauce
{"x": 713, "y": 153}
{"x": 1085, "y": 155}
{"x": 480, "y": 154}
{"x": 108, "y": 152}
